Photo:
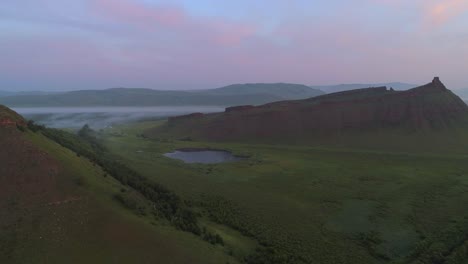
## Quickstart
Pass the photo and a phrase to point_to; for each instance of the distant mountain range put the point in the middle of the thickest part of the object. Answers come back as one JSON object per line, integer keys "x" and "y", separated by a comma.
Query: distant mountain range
{"x": 345, "y": 87}
{"x": 12, "y": 93}
{"x": 238, "y": 94}
{"x": 6, "y": 93}
{"x": 363, "y": 113}
{"x": 231, "y": 95}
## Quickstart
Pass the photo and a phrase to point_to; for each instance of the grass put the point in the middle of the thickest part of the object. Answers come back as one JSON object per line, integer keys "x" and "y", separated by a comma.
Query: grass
{"x": 95, "y": 228}
{"x": 327, "y": 205}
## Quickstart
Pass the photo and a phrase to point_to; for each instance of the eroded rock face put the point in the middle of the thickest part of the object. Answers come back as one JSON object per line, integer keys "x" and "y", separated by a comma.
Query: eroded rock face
{"x": 239, "y": 108}
{"x": 6, "y": 122}
{"x": 428, "y": 107}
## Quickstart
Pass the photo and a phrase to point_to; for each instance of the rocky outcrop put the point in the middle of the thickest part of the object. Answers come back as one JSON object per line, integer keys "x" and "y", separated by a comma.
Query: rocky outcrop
{"x": 5, "y": 122}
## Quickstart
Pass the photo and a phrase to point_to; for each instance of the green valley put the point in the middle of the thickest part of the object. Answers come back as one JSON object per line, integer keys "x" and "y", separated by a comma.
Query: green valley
{"x": 309, "y": 204}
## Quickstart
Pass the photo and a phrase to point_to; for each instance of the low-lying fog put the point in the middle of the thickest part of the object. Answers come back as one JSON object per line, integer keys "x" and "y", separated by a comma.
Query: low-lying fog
{"x": 100, "y": 117}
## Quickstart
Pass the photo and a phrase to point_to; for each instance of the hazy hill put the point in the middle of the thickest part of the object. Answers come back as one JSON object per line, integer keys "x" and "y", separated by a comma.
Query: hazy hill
{"x": 350, "y": 116}
{"x": 279, "y": 90}
{"x": 6, "y": 93}
{"x": 21, "y": 93}
{"x": 226, "y": 96}
{"x": 346, "y": 87}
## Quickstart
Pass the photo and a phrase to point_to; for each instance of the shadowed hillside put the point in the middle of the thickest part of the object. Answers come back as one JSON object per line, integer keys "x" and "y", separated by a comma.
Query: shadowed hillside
{"x": 427, "y": 109}
{"x": 346, "y": 87}
{"x": 59, "y": 207}
{"x": 226, "y": 96}
{"x": 9, "y": 118}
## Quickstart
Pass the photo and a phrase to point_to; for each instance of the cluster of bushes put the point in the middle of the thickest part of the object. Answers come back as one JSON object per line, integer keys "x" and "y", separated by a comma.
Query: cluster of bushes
{"x": 35, "y": 127}
{"x": 272, "y": 255}
{"x": 270, "y": 249}
{"x": 449, "y": 246}
{"x": 65, "y": 139}
{"x": 131, "y": 203}
{"x": 211, "y": 238}
{"x": 165, "y": 202}
{"x": 371, "y": 241}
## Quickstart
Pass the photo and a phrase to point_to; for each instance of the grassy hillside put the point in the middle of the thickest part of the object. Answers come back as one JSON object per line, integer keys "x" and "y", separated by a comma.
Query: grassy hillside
{"x": 423, "y": 117}
{"x": 227, "y": 96}
{"x": 58, "y": 207}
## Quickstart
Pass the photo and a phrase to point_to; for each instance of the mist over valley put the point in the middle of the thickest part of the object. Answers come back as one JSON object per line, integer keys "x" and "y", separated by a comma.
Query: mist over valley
{"x": 101, "y": 117}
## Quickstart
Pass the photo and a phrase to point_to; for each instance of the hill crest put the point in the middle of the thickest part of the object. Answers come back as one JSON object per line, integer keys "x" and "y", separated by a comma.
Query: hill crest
{"x": 399, "y": 86}
{"x": 9, "y": 118}
{"x": 431, "y": 107}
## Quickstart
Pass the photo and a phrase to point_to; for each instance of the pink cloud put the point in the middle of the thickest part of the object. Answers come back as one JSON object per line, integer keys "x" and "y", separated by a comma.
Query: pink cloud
{"x": 174, "y": 20}
{"x": 431, "y": 12}
{"x": 139, "y": 14}
{"x": 57, "y": 59}
{"x": 164, "y": 46}
{"x": 442, "y": 11}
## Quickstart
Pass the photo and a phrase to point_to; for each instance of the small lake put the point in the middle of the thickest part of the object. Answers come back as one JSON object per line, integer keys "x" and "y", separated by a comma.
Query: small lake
{"x": 203, "y": 156}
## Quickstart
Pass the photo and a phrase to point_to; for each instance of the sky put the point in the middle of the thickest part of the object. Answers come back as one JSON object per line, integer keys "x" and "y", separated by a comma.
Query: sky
{"x": 201, "y": 44}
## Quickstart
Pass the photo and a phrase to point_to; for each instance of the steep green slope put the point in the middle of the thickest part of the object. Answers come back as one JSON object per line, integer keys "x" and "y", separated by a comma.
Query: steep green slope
{"x": 58, "y": 207}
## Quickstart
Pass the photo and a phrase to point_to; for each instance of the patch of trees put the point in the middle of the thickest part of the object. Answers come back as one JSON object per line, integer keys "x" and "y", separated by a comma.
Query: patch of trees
{"x": 21, "y": 128}
{"x": 165, "y": 202}
{"x": 35, "y": 127}
{"x": 131, "y": 202}
{"x": 449, "y": 246}
{"x": 272, "y": 255}
{"x": 271, "y": 249}
{"x": 211, "y": 238}
{"x": 371, "y": 241}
